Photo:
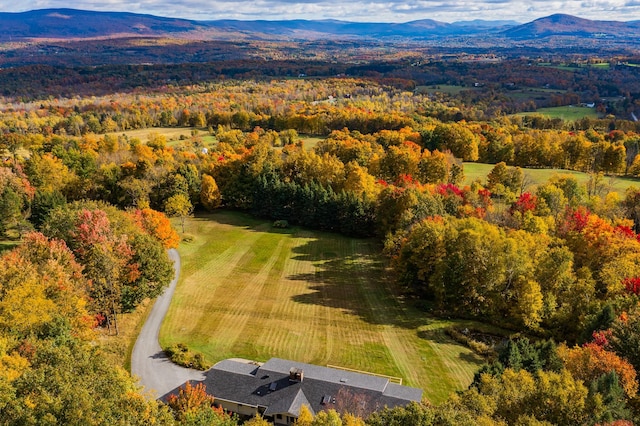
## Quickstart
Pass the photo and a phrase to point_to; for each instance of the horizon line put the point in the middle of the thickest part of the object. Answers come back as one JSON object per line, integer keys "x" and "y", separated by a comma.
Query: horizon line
{"x": 309, "y": 19}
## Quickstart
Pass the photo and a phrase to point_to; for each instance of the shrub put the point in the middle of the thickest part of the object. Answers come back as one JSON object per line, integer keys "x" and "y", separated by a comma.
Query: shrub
{"x": 281, "y": 224}
{"x": 181, "y": 355}
{"x": 466, "y": 338}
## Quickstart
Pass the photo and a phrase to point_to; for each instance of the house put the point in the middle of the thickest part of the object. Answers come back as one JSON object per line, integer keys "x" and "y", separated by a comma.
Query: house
{"x": 278, "y": 388}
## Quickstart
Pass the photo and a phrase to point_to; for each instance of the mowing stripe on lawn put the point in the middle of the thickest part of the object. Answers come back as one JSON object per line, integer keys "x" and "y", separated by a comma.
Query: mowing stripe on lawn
{"x": 241, "y": 303}
{"x": 253, "y": 292}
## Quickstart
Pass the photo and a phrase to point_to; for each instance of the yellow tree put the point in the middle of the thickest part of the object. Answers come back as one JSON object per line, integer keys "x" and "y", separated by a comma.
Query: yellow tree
{"x": 359, "y": 181}
{"x": 40, "y": 281}
{"x": 351, "y": 420}
{"x": 21, "y": 283}
{"x": 399, "y": 160}
{"x": 48, "y": 173}
{"x": 180, "y": 206}
{"x": 327, "y": 418}
{"x": 305, "y": 418}
{"x": 433, "y": 167}
{"x": 456, "y": 138}
{"x": 209, "y": 193}
{"x": 257, "y": 421}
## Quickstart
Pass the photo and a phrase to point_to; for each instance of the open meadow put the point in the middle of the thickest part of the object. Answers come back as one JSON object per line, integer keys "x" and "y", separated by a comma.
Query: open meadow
{"x": 310, "y": 142}
{"x": 174, "y": 135}
{"x": 567, "y": 113}
{"x": 619, "y": 184}
{"x": 8, "y": 245}
{"x": 443, "y": 88}
{"x": 251, "y": 291}
{"x": 177, "y": 136}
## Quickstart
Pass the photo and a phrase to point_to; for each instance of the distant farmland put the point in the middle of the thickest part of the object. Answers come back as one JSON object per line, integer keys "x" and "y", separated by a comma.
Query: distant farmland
{"x": 174, "y": 135}
{"x": 568, "y": 113}
{"x": 474, "y": 171}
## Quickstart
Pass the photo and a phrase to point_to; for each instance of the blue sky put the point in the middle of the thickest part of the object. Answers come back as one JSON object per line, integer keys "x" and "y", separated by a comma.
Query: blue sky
{"x": 357, "y": 10}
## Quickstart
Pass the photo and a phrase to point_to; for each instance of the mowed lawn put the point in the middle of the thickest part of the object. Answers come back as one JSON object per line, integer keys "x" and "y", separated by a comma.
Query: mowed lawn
{"x": 248, "y": 290}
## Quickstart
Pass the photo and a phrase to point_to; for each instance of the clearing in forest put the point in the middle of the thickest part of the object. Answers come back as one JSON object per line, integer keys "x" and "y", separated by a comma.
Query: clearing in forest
{"x": 535, "y": 177}
{"x": 251, "y": 291}
{"x": 566, "y": 113}
{"x": 174, "y": 135}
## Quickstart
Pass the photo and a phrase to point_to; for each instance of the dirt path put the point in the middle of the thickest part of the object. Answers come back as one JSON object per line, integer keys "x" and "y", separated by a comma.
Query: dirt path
{"x": 149, "y": 363}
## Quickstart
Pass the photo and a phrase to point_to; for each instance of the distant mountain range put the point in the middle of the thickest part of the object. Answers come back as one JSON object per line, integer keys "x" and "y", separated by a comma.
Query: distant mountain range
{"x": 567, "y": 25}
{"x": 78, "y": 24}
{"x": 71, "y": 23}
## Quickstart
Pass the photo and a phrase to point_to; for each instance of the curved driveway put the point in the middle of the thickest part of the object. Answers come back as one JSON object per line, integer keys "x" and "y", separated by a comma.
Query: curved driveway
{"x": 155, "y": 372}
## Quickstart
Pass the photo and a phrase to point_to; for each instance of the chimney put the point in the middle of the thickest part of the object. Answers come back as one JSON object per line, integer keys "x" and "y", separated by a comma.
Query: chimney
{"x": 296, "y": 374}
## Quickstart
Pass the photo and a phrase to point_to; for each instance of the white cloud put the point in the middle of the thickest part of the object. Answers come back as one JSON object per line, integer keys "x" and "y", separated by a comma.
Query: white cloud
{"x": 359, "y": 10}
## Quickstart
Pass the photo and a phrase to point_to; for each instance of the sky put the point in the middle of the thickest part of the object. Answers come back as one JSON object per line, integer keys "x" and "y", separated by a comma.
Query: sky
{"x": 357, "y": 10}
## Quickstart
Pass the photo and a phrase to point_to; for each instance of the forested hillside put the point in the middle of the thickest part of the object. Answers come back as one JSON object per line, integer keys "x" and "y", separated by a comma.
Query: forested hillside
{"x": 556, "y": 264}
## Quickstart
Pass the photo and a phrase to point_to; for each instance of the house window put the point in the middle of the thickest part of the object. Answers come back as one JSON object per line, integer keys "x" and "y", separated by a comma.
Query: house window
{"x": 278, "y": 416}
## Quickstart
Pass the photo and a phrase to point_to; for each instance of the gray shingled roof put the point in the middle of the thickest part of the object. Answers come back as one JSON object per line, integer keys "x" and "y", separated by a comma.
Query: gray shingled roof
{"x": 239, "y": 367}
{"x": 332, "y": 375}
{"x": 286, "y": 406}
{"x": 402, "y": 392}
{"x": 269, "y": 386}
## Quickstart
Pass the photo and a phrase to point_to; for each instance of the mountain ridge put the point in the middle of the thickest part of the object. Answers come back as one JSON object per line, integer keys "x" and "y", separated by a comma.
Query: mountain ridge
{"x": 75, "y": 23}
{"x": 61, "y": 23}
{"x": 568, "y": 25}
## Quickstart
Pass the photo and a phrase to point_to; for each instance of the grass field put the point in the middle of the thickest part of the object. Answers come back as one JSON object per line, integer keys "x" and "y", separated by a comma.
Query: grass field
{"x": 206, "y": 139}
{"x": 533, "y": 93}
{"x": 8, "y": 244}
{"x": 576, "y": 67}
{"x": 473, "y": 171}
{"x": 442, "y": 88}
{"x": 171, "y": 133}
{"x": 310, "y": 142}
{"x": 568, "y": 113}
{"x": 248, "y": 290}
{"x": 175, "y": 135}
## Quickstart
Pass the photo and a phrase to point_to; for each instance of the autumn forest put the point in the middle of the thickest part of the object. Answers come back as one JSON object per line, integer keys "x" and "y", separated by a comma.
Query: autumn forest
{"x": 95, "y": 187}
